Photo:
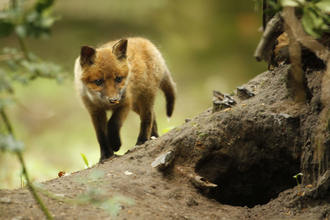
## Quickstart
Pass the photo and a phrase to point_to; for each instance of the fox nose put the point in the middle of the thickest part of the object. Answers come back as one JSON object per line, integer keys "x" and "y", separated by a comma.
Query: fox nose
{"x": 113, "y": 101}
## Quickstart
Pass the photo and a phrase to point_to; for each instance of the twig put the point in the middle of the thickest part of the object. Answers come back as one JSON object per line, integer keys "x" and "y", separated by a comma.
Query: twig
{"x": 24, "y": 48}
{"x": 60, "y": 198}
{"x": 19, "y": 154}
{"x": 274, "y": 28}
{"x": 7, "y": 122}
{"x": 32, "y": 189}
{"x": 14, "y": 5}
{"x": 5, "y": 57}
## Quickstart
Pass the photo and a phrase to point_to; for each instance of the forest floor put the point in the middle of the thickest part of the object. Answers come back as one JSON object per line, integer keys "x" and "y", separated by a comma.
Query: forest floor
{"x": 128, "y": 187}
{"x": 143, "y": 193}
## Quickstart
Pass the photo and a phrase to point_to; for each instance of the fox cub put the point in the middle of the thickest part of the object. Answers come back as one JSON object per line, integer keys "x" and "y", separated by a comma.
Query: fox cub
{"x": 119, "y": 76}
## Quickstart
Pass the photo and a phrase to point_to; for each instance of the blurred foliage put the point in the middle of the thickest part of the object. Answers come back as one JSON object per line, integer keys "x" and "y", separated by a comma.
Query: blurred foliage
{"x": 8, "y": 143}
{"x": 95, "y": 192}
{"x": 22, "y": 67}
{"x": 315, "y": 14}
{"x": 35, "y": 22}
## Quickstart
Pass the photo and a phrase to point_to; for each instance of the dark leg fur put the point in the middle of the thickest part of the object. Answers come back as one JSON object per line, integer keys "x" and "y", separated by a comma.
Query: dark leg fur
{"x": 113, "y": 133}
{"x": 145, "y": 127}
{"x": 99, "y": 120}
{"x": 106, "y": 151}
{"x": 154, "y": 130}
{"x": 114, "y": 126}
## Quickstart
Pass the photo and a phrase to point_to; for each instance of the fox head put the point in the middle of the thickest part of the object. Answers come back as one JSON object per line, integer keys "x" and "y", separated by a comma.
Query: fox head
{"x": 105, "y": 72}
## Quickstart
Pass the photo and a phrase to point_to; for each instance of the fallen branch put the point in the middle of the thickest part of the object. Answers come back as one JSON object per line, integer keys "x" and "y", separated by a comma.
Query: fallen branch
{"x": 274, "y": 28}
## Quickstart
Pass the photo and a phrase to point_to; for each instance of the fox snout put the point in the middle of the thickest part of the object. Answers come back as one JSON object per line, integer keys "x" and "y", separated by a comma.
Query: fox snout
{"x": 112, "y": 101}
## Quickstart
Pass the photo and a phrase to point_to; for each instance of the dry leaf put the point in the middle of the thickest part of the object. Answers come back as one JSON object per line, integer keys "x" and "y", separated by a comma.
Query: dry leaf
{"x": 61, "y": 173}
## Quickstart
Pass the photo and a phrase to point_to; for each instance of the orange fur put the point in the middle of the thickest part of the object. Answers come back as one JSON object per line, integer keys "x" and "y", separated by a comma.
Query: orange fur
{"x": 119, "y": 76}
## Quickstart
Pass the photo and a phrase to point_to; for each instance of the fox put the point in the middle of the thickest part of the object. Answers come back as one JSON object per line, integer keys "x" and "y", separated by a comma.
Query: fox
{"x": 120, "y": 76}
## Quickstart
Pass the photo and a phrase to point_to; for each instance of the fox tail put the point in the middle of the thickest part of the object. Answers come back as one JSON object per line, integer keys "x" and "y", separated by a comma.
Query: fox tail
{"x": 168, "y": 87}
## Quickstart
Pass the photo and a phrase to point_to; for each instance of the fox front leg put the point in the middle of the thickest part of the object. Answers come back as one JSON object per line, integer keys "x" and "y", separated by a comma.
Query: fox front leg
{"x": 114, "y": 125}
{"x": 145, "y": 127}
{"x": 99, "y": 120}
{"x": 154, "y": 130}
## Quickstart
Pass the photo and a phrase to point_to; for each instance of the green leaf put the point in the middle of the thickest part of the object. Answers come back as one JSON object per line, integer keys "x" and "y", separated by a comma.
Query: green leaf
{"x": 85, "y": 159}
{"x": 5, "y": 83}
{"x": 5, "y": 102}
{"x": 299, "y": 174}
{"x": 21, "y": 31}
{"x": 272, "y": 4}
{"x": 39, "y": 24}
{"x": 32, "y": 17}
{"x": 310, "y": 23}
{"x": 43, "y": 5}
{"x": 165, "y": 130}
{"x": 6, "y": 28}
{"x": 324, "y": 5}
{"x": 325, "y": 28}
{"x": 274, "y": 7}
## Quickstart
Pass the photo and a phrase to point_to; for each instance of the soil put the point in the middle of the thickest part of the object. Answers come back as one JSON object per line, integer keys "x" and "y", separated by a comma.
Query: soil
{"x": 235, "y": 163}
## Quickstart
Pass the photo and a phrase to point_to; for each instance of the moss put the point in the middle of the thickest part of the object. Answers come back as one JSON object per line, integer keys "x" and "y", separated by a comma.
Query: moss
{"x": 203, "y": 135}
{"x": 282, "y": 80}
{"x": 193, "y": 123}
{"x": 262, "y": 83}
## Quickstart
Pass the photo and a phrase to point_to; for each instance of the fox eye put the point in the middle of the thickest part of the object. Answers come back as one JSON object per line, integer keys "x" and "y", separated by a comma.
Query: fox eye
{"x": 98, "y": 82}
{"x": 119, "y": 79}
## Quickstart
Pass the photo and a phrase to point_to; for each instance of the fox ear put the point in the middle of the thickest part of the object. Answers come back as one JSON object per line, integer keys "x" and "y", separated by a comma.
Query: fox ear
{"x": 87, "y": 55}
{"x": 120, "y": 49}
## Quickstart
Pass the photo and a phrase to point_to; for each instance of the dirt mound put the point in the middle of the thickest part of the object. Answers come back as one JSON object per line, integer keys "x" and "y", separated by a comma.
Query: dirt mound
{"x": 236, "y": 163}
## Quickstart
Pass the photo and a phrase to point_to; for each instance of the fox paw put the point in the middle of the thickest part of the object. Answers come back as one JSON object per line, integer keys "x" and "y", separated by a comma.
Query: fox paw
{"x": 105, "y": 158}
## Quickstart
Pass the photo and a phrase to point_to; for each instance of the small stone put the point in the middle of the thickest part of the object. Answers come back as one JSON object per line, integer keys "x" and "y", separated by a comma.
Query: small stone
{"x": 127, "y": 173}
{"x": 243, "y": 93}
{"x": 5, "y": 200}
{"x": 285, "y": 115}
{"x": 192, "y": 202}
{"x": 222, "y": 101}
{"x": 163, "y": 160}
